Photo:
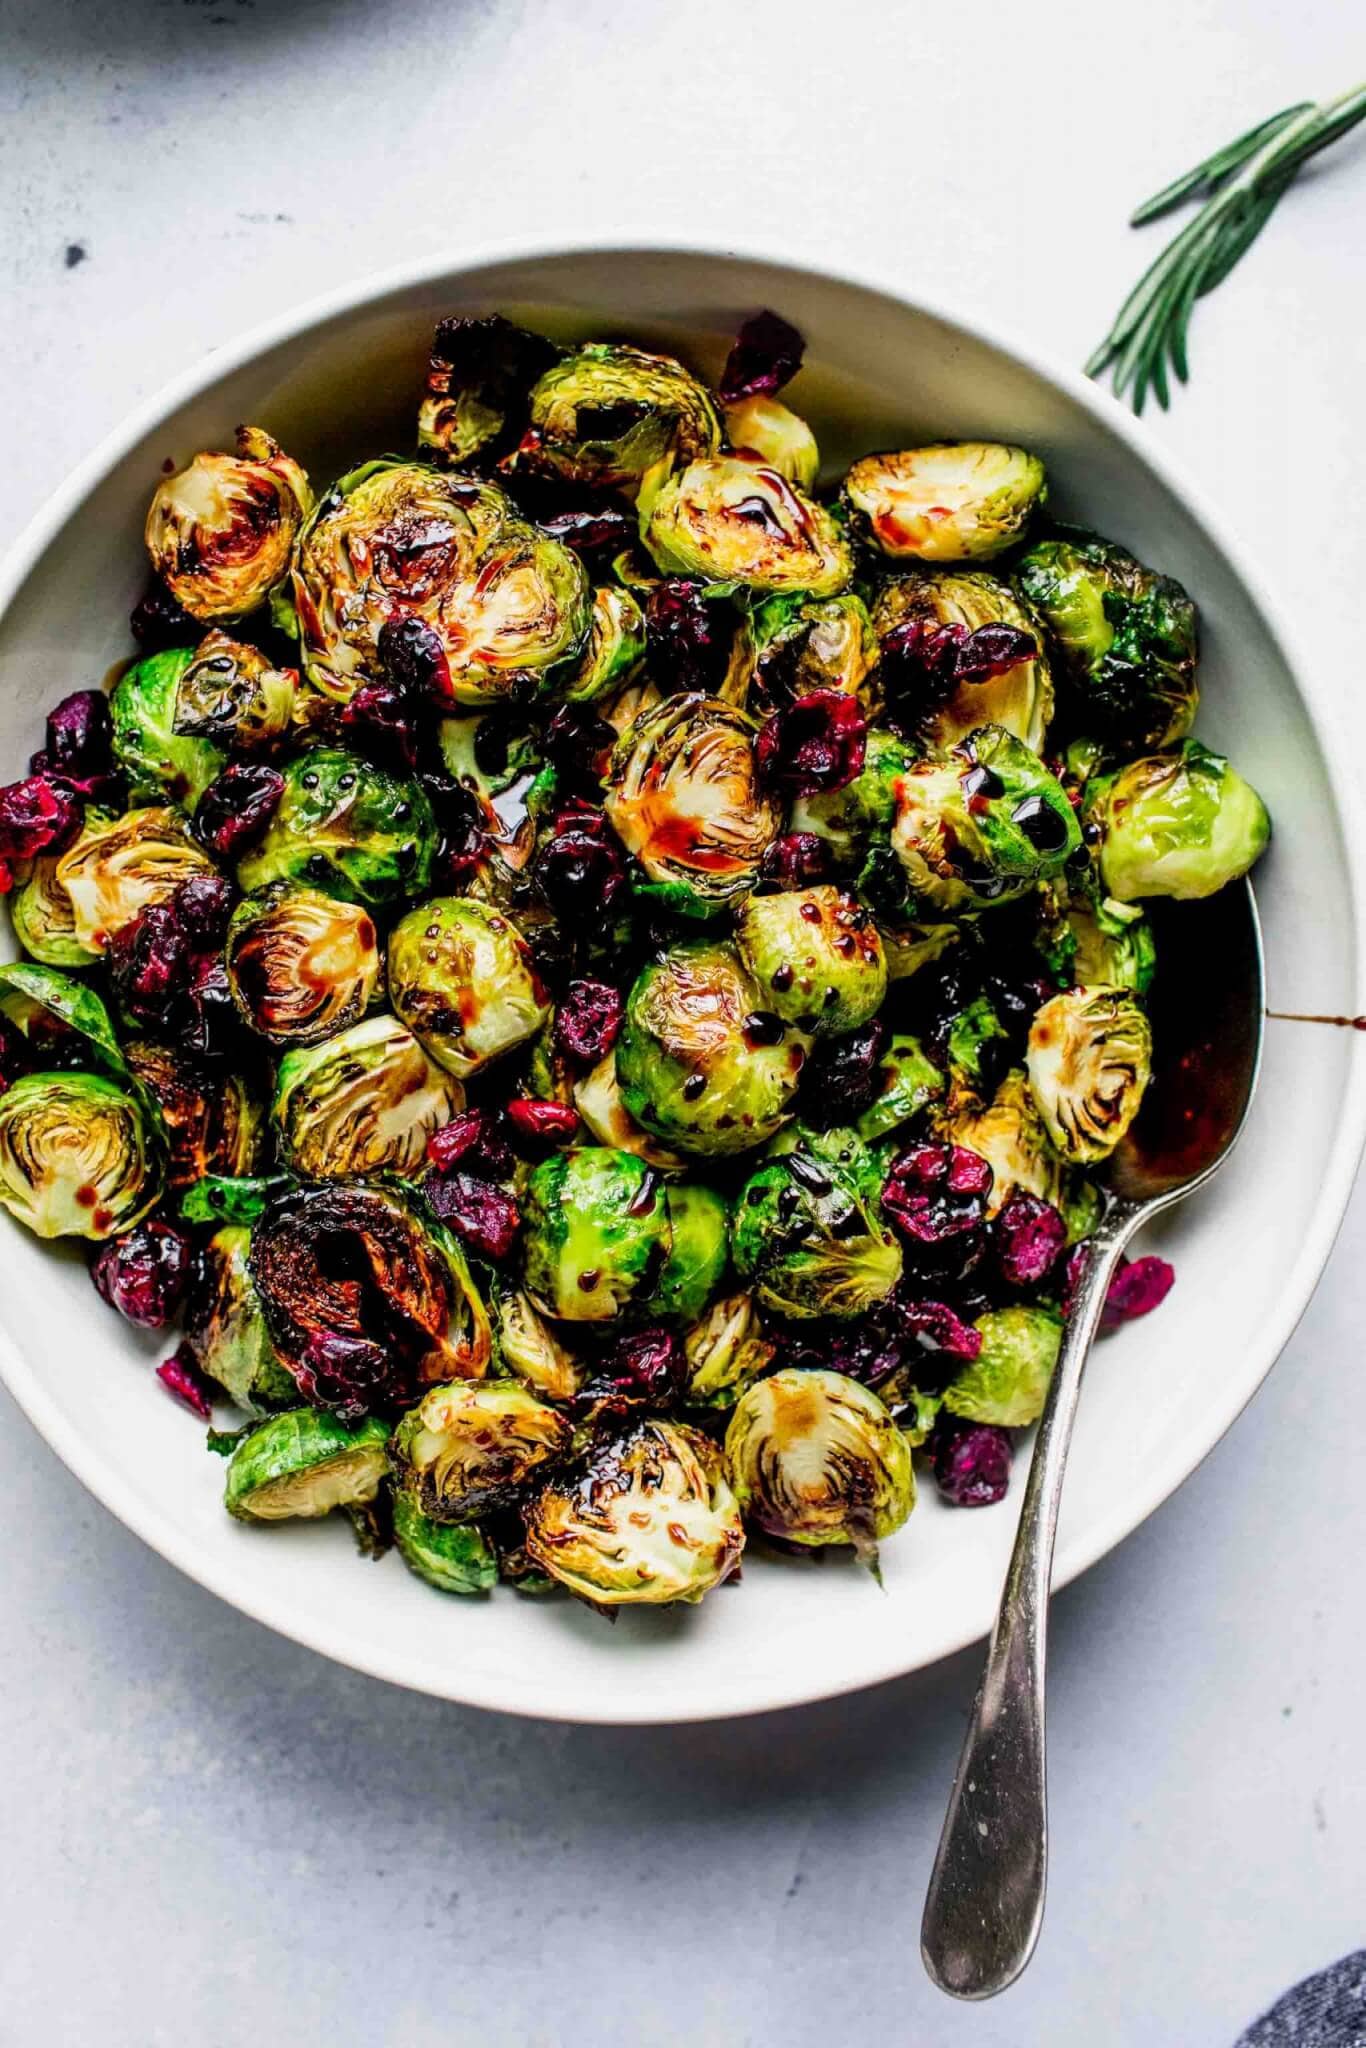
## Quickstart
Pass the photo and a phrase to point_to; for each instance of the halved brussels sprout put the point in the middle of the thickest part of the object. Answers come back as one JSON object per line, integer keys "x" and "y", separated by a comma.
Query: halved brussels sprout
{"x": 597, "y": 1098}
{"x": 215, "y": 1122}
{"x": 1089, "y": 1061}
{"x": 303, "y": 1464}
{"x": 848, "y": 819}
{"x": 957, "y": 501}
{"x": 160, "y": 765}
{"x": 788, "y": 646}
{"x": 220, "y": 533}
{"x": 1009, "y": 1133}
{"x": 700, "y": 1061}
{"x": 982, "y": 825}
{"x": 43, "y": 919}
{"x": 908, "y": 1082}
{"x": 597, "y": 1234}
{"x": 1126, "y": 640}
{"x": 117, "y": 866}
{"x": 607, "y": 413}
{"x": 226, "y": 1327}
{"x": 230, "y": 693}
{"x": 366, "y": 1296}
{"x": 807, "y": 1233}
{"x": 1020, "y": 698}
{"x": 816, "y": 956}
{"x": 1112, "y": 943}
{"x": 471, "y": 1447}
{"x": 1007, "y": 1382}
{"x": 478, "y": 378}
{"x": 725, "y": 1350}
{"x": 815, "y": 1458}
{"x": 80, "y": 1156}
{"x": 529, "y": 1347}
{"x": 684, "y": 797}
{"x": 363, "y": 1102}
{"x": 615, "y": 649}
{"x": 699, "y": 1247}
{"x": 732, "y": 521}
{"x": 646, "y": 1518}
{"x": 454, "y": 1557}
{"x": 770, "y": 431}
{"x": 1181, "y": 824}
{"x": 348, "y": 827}
{"x": 461, "y": 977}
{"x": 301, "y": 964}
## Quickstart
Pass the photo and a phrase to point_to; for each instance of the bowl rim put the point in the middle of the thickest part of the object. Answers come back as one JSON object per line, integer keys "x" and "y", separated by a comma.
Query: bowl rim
{"x": 520, "y": 1693}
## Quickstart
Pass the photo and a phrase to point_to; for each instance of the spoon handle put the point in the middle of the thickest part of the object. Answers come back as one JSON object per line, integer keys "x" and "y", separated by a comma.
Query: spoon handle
{"x": 985, "y": 1902}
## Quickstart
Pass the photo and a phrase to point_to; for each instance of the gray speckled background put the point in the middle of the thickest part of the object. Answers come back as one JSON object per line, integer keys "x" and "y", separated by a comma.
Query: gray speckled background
{"x": 212, "y": 1836}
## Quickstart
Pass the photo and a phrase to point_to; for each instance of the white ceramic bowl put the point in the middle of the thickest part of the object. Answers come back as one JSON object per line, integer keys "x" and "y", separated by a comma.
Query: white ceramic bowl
{"x": 339, "y": 380}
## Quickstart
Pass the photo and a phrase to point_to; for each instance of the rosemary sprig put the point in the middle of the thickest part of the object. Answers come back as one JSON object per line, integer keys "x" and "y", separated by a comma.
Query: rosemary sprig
{"x": 1241, "y": 186}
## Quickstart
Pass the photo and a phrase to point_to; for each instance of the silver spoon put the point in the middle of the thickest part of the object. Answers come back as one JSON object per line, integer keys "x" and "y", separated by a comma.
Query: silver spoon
{"x": 986, "y": 1897}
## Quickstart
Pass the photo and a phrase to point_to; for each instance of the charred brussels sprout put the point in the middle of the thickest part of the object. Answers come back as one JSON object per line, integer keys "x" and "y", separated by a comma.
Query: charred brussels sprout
{"x": 229, "y": 693}
{"x": 789, "y": 646}
{"x": 684, "y": 797}
{"x": 701, "y": 1063}
{"x": 214, "y": 1122}
{"x": 908, "y": 1082}
{"x": 769, "y": 430}
{"x": 460, "y": 976}
{"x": 226, "y": 1328}
{"x": 347, "y": 827}
{"x": 597, "y": 1234}
{"x": 606, "y": 414}
{"x": 469, "y": 1448}
{"x": 118, "y": 866}
{"x": 848, "y": 819}
{"x": 1007, "y": 1382}
{"x": 725, "y": 1350}
{"x": 159, "y": 763}
{"x": 815, "y": 1458}
{"x": 1113, "y": 943}
{"x": 80, "y": 1156}
{"x": 304, "y": 1464}
{"x": 528, "y": 1347}
{"x": 1020, "y": 697}
{"x": 732, "y": 521}
{"x": 699, "y": 1246}
{"x": 1009, "y": 1133}
{"x": 452, "y": 1556}
{"x": 301, "y": 964}
{"x": 958, "y": 501}
{"x": 816, "y": 956}
{"x": 615, "y": 649}
{"x": 981, "y": 825}
{"x": 478, "y": 379}
{"x": 808, "y": 1235}
{"x": 647, "y": 1517}
{"x": 220, "y": 533}
{"x": 1125, "y": 637}
{"x": 363, "y": 1102}
{"x": 55, "y": 1014}
{"x": 1090, "y": 1059}
{"x": 1181, "y": 824}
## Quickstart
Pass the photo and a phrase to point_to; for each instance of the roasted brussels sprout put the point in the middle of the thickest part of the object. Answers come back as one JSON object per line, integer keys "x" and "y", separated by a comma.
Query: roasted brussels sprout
{"x": 770, "y": 431}
{"x": 1020, "y": 697}
{"x": 1009, "y": 1133}
{"x": 597, "y": 1234}
{"x": 304, "y": 1463}
{"x": 684, "y": 796}
{"x": 302, "y": 964}
{"x": 700, "y": 1062}
{"x": 725, "y": 1350}
{"x": 1125, "y": 640}
{"x": 1090, "y": 1059}
{"x": 615, "y": 649}
{"x": 1007, "y": 1382}
{"x": 229, "y": 693}
{"x": 366, "y": 1296}
{"x": 226, "y": 1329}
{"x": 815, "y": 1458}
{"x": 348, "y": 827}
{"x": 597, "y": 1098}
{"x": 1181, "y": 824}
{"x": 646, "y": 1517}
{"x": 816, "y": 956}
{"x": 807, "y": 1233}
{"x": 732, "y": 521}
{"x": 908, "y": 1082}
{"x": 452, "y": 1556}
{"x": 118, "y": 866}
{"x": 55, "y": 1013}
{"x": 910, "y": 946}
{"x": 460, "y": 976}
{"x": 959, "y": 501}
{"x": 220, "y": 533}
{"x": 788, "y": 646}
{"x": 848, "y": 819}
{"x": 159, "y": 763}
{"x": 1112, "y": 942}
{"x": 215, "y": 1123}
{"x": 469, "y": 1448}
{"x": 981, "y": 825}
{"x": 43, "y": 919}
{"x": 80, "y": 1155}
{"x": 606, "y": 414}
{"x": 363, "y": 1102}
{"x": 699, "y": 1247}
{"x": 529, "y": 1347}
{"x": 478, "y": 383}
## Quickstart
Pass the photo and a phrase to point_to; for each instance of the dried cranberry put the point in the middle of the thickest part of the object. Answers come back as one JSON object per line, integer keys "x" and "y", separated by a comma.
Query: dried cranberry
{"x": 936, "y": 1195}
{"x": 940, "y": 1330}
{"x": 841, "y": 1076}
{"x": 181, "y": 1376}
{"x": 236, "y": 808}
{"x": 645, "y": 1366}
{"x": 816, "y": 744}
{"x": 581, "y": 869}
{"x": 148, "y": 959}
{"x": 80, "y": 740}
{"x": 576, "y": 743}
{"x": 463, "y": 843}
{"x": 380, "y": 719}
{"x": 1138, "y": 1287}
{"x": 157, "y": 621}
{"x": 687, "y": 636}
{"x": 36, "y": 816}
{"x": 479, "y": 1211}
{"x": 971, "y": 1462}
{"x": 587, "y": 1020}
{"x": 542, "y": 1122}
{"x": 796, "y": 860}
{"x": 1028, "y": 1237}
{"x": 168, "y": 972}
{"x": 413, "y": 659}
{"x": 923, "y": 664}
{"x": 476, "y": 1140}
{"x": 145, "y": 1273}
{"x": 766, "y": 354}
{"x": 202, "y": 906}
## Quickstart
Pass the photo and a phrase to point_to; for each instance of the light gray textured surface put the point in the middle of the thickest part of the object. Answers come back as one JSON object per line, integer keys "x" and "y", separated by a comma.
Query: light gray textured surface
{"x": 211, "y": 1835}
